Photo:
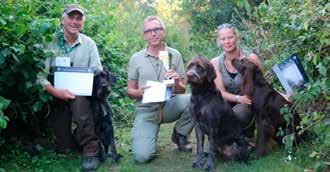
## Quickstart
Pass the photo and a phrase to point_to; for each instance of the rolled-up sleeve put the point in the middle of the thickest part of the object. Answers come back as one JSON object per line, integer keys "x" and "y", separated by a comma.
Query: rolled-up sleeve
{"x": 132, "y": 71}
{"x": 42, "y": 75}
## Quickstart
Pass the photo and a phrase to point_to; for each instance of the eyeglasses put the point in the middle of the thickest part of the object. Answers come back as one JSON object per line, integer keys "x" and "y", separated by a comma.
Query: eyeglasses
{"x": 225, "y": 25}
{"x": 155, "y": 30}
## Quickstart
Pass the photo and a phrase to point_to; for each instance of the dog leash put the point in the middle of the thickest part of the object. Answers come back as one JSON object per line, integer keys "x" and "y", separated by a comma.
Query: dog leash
{"x": 250, "y": 124}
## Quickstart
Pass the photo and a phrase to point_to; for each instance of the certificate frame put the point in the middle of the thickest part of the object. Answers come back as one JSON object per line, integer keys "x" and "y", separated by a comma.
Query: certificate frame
{"x": 291, "y": 74}
{"x": 78, "y": 80}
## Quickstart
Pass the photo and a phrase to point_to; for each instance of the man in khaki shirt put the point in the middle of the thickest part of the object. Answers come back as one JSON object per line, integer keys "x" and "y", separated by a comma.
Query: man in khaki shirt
{"x": 71, "y": 116}
{"x": 146, "y": 65}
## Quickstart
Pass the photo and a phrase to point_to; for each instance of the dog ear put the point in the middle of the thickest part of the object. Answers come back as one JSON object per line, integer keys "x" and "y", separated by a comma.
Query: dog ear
{"x": 112, "y": 79}
{"x": 211, "y": 75}
{"x": 97, "y": 72}
{"x": 248, "y": 85}
{"x": 259, "y": 77}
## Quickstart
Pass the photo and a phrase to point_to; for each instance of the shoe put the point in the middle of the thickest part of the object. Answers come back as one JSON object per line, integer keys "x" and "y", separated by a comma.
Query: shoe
{"x": 182, "y": 141}
{"x": 90, "y": 163}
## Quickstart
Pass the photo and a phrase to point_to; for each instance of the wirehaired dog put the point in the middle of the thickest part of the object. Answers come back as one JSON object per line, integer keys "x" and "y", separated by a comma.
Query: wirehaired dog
{"x": 266, "y": 105}
{"x": 103, "y": 80}
{"x": 213, "y": 116}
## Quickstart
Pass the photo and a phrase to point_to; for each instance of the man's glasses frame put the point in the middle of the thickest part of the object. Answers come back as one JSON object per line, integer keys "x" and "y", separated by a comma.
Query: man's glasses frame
{"x": 154, "y": 30}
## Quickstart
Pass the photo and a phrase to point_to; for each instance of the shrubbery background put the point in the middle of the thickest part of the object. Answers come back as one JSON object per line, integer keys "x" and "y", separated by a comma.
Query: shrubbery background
{"x": 272, "y": 29}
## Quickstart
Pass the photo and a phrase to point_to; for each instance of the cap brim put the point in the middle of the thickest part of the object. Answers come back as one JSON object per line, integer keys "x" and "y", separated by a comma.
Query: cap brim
{"x": 75, "y": 9}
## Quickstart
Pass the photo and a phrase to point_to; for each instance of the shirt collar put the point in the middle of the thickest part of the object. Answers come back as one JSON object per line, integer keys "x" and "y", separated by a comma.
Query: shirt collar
{"x": 77, "y": 42}
{"x": 147, "y": 54}
{"x": 63, "y": 43}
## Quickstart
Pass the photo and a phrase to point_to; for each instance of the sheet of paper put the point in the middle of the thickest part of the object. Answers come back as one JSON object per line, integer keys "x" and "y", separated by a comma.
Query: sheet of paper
{"x": 163, "y": 56}
{"x": 80, "y": 83}
{"x": 156, "y": 92}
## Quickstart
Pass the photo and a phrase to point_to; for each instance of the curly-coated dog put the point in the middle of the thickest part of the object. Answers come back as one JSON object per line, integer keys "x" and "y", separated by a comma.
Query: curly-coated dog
{"x": 103, "y": 80}
{"x": 266, "y": 105}
{"x": 213, "y": 116}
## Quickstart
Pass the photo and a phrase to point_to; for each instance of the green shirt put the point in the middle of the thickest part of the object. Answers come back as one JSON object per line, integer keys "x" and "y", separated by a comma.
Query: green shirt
{"x": 83, "y": 53}
{"x": 143, "y": 66}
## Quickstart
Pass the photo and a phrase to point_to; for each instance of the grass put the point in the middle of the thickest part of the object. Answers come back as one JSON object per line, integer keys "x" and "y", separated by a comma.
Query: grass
{"x": 168, "y": 159}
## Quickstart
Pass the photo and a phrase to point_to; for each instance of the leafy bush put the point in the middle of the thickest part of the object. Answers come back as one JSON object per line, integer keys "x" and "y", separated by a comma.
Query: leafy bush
{"x": 24, "y": 34}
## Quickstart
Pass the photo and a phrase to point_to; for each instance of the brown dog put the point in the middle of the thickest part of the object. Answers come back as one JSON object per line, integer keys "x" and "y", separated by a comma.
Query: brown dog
{"x": 213, "y": 116}
{"x": 266, "y": 105}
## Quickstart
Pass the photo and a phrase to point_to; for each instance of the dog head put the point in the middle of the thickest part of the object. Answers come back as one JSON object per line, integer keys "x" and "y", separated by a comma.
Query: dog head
{"x": 235, "y": 152}
{"x": 251, "y": 75}
{"x": 244, "y": 66}
{"x": 103, "y": 80}
{"x": 200, "y": 71}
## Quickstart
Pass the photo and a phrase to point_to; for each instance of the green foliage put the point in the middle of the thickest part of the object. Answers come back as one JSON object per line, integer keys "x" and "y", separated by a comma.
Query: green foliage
{"x": 4, "y": 103}
{"x": 14, "y": 158}
{"x": 205, "y": 16}
{"x": 24, "y": 34}
{"x": 103, "y": 26}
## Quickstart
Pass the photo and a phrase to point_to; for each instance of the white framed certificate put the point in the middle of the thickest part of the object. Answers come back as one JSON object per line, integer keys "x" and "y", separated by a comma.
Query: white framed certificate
{"x": 291, "y": 74}
{"x": 77, "y": 80}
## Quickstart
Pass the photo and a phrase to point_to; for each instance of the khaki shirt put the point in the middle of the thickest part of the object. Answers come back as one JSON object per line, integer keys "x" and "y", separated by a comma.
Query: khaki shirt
{"x": 143, "y": 66}
{"x": 83, "y": 53}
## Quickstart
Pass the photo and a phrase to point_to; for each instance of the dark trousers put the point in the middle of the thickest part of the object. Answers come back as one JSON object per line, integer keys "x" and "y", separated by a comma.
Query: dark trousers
{"x": 73, "y": 124}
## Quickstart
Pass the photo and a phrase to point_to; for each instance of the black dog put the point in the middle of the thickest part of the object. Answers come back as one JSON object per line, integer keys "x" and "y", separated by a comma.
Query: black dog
{"x": 213, "y": 116}
{"x": 103, "y": 80}
{"x": 266, "y": 105}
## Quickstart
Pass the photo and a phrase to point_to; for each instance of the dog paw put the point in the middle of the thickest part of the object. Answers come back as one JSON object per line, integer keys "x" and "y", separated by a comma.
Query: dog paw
{"x": 198, "y": 164}
{"x": 116, "y": 158}
{"x": 209, "y": 167}
{"x": 200, "y": 160}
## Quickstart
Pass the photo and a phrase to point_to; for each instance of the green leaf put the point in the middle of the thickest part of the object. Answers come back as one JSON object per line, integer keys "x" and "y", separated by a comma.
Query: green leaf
{"x": 4, "y": 103}
{"x": 306, "y": 25}
{"x": 3, "y": 22}
{"x": 20, "y": 29}
{"x": 313, "y": 154}
{"x": 2, "y": 58}
{"x": 3, "y": 122}
{"x": 37, "y": 106}
{"x": 322, "y": 69}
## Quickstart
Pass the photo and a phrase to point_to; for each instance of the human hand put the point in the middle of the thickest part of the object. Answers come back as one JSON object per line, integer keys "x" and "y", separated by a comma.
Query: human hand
{"x": 244, "y": 99}
{"x": 172, "y": 74}
{"x": 64, "y": 94}
{"x": 140, "y": 90}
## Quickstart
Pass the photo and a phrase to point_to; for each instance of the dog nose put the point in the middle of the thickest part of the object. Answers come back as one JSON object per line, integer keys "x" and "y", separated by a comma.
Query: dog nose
{"x": 104, "y": 84}
{"x": 192, "y": 73}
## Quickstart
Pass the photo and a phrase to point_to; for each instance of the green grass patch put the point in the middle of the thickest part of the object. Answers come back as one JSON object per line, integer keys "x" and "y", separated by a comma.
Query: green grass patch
{"x": 168, "y": 159}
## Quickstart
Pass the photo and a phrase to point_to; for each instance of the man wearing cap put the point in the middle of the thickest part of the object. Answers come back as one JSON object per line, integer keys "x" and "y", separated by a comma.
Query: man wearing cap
{"x": 72, "y": 117}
